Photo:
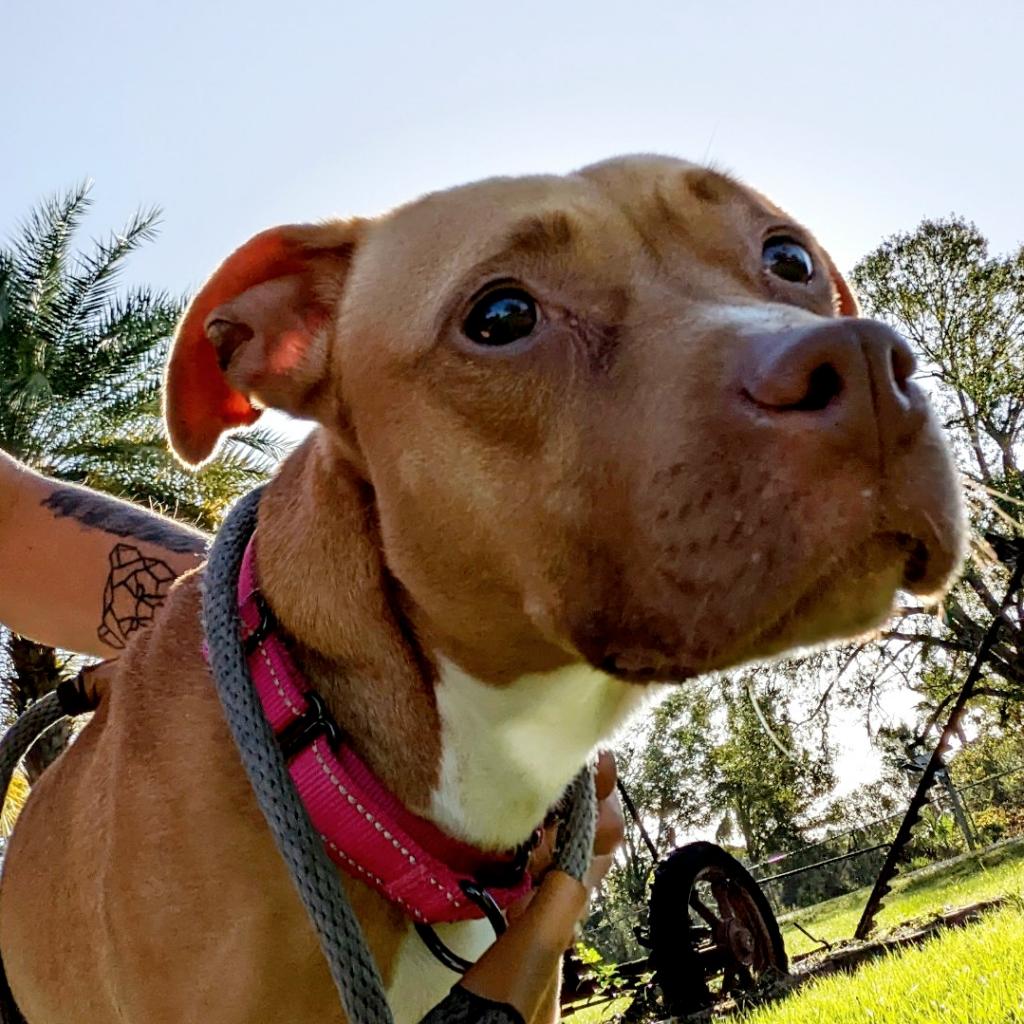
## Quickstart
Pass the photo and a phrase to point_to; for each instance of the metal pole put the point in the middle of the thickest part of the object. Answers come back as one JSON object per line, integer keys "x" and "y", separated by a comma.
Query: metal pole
{"x": 920, "y": 798}
{"x": 957, "y": 806}
{"x": 635, "y": 815}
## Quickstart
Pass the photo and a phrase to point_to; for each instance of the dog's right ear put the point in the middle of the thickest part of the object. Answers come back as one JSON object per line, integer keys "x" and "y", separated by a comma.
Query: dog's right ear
{"x": 256, "y": 335}
{"x": 844, "y": 301}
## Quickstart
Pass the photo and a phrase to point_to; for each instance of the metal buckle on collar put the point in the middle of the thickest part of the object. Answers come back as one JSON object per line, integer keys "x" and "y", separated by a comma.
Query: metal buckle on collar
{"x": 294, "y": 738}
{"x": 505, "y": 875}
{"x": 263, "y": 627}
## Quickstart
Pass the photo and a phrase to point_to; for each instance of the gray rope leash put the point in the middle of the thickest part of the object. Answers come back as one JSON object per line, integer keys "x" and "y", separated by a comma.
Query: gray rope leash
{"x": 315, "y": 877}
{"x": 576, "y": 832}
{"x": 39, "y": 717}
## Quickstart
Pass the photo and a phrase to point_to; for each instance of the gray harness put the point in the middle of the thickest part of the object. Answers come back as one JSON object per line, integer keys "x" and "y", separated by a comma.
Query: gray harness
{"x": 315, "y": 877}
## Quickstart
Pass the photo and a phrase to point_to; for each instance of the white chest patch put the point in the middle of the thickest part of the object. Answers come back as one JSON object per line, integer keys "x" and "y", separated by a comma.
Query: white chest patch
{"x": 418, "y": 982}
{"x": 508, "y": 752}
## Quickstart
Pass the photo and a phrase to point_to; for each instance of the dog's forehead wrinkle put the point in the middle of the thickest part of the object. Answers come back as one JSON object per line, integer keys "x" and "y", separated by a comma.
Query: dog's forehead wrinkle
{"x": 542, "y": 232}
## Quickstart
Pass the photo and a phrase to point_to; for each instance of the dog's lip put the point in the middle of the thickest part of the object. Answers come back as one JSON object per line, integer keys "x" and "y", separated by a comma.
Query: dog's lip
{"x": 644, "y": 675}
{"x": 915, "y": 568}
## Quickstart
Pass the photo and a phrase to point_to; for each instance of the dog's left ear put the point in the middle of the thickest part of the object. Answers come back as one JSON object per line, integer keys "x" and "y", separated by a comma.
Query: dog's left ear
{"x": 845, "y": 301}
{"x": 257, "y": 333}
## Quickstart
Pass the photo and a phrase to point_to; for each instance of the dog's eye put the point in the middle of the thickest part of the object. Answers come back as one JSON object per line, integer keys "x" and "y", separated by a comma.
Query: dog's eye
{"x": 788, "y": 259}
{"x": 501, "y": 317}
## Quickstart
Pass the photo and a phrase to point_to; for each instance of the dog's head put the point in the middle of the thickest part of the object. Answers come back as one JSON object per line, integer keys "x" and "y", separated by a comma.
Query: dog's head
{"x": 628, "y": 415}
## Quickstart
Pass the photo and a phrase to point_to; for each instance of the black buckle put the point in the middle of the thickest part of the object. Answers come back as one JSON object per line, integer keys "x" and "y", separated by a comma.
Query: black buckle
{"x": 445, "y": 955}
{"x": 505, "y": 875}
{"x": 296, "y": 737}
{"x": 263, "y": 627}
{"x": 485, "y": 901}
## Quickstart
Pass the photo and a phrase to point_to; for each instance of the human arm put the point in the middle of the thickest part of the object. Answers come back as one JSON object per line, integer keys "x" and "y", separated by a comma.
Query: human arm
{"x": 79, "y": 569}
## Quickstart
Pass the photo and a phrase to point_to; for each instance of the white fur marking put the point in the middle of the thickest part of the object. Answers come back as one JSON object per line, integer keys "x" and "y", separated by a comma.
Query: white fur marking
{"x": 418, "y": 982}
{"x": 508, "y": 752}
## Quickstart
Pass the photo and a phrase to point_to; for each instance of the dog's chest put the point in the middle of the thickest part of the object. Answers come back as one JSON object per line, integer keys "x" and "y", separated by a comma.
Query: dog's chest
{"x": 508, "y": 752}
{"x": 417, "y": 981}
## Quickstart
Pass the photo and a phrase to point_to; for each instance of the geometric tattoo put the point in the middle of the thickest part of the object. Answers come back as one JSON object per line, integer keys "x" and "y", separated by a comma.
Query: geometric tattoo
{"x": 135, "y": 589}
{"x": 120, "y": 519}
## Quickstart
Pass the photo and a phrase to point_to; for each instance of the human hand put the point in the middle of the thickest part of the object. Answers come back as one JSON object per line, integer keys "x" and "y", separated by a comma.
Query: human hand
{"x": 608, "y": 835}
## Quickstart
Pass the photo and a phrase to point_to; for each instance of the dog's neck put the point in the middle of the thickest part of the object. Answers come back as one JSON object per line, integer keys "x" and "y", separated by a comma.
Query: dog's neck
{"x": 485, "y": 762}
{"x": 508, "y": 752}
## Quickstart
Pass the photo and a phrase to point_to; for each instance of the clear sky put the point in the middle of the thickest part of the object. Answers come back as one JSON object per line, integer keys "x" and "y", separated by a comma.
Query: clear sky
{"x": 860, "y": 118}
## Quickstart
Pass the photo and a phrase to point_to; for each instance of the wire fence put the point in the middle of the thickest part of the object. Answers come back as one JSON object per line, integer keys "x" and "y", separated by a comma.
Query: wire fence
{"x": 959, "y": 819}
{"x": 980, "y": 812}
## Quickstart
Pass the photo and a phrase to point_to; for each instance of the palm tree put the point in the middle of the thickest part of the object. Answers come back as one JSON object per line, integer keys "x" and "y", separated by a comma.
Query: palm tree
{"x": 80, "y": 373}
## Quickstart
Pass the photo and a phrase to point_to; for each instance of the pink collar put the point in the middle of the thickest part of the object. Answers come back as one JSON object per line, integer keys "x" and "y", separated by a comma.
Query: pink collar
{"x": 366, "y": 830}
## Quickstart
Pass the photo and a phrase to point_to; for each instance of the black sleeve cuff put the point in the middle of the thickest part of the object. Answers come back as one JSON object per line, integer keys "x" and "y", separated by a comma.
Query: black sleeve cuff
{"x": 461, "y": 1006}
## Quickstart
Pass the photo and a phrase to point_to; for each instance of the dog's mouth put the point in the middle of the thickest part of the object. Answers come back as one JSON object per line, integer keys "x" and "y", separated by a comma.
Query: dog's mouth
{"x": 852, "y": 595}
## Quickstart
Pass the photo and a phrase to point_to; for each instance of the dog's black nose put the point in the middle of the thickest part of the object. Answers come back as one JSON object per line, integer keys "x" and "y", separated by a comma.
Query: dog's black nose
{"x": 848, "y": 376}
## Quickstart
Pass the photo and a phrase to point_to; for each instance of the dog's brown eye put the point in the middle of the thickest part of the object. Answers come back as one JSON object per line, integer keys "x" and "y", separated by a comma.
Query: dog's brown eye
{"x": 786, "y": 258}
{"x": 501, "y": 317}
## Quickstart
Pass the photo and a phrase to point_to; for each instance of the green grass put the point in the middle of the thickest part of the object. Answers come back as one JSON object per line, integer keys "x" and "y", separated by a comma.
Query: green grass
{"x": 598, "y": 1014}
{"x": 973, "y": 975}
{"x": 916, "y": 895}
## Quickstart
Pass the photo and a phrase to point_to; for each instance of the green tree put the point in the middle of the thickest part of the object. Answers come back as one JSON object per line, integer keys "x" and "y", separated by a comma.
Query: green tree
{"x": 764, "y": 777}
{"x": 722, "y": 755}
{"x": 80, "y": 372}
{"x": 962, "y": 309}
{"x": 728, "y": 755}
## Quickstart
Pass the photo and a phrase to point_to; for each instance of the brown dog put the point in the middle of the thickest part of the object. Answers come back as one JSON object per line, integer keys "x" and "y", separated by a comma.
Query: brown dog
{"x": 575, "y": 434}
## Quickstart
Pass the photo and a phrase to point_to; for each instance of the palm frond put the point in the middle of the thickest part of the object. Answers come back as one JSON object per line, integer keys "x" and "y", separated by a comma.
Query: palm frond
{"x": 87, "y": 292}
{"x": 268, "y": 446}
{"x": 40, "y": 252}
{"x": 81, "y": 363}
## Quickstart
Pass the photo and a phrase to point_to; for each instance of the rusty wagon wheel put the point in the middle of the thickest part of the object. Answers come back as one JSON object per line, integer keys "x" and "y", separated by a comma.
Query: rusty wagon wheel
{"x": 712, "y": 931}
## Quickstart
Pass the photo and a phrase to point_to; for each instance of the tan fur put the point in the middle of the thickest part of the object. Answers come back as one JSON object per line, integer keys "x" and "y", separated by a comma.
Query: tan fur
{"x": 602, "y": 495}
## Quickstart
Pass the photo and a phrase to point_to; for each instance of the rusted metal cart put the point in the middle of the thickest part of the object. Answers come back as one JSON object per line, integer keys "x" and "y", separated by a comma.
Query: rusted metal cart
{"x": 710, "y": 929}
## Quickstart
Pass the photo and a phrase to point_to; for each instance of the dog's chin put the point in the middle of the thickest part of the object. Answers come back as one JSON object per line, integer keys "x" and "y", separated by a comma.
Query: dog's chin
{"x": 852, "y": 597}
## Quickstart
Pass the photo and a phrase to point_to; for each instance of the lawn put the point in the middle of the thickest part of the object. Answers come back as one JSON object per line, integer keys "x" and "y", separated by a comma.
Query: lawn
{"x": 917, "y": 895}
{"x": 972, "y": 975}
{"x": 602, "y": 1012}
{"x": 981, "y": 979}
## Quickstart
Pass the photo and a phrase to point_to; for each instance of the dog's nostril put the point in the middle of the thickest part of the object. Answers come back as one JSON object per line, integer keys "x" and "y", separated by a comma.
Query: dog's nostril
{"x": 916, "y": 567}
{"x": 824, "y": 385}
{"x": 801, "y": 391}
{"x": 903, "y": 366}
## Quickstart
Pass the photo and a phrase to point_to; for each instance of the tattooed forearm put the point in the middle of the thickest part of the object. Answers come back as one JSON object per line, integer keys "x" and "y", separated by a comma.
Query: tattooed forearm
{"x": 135, "y": 588}
{"x": 122, "y": 520}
